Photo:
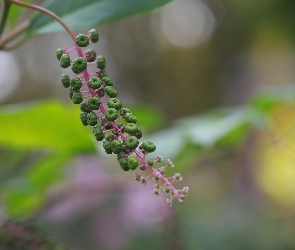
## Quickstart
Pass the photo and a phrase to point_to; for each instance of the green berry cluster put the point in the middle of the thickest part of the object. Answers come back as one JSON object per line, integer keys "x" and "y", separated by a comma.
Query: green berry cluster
{"x": 101, "y": 109}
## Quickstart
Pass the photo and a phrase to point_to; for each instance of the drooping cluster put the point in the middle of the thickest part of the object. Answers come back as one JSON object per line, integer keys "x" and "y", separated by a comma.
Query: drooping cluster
{"x": 111, "y": 123}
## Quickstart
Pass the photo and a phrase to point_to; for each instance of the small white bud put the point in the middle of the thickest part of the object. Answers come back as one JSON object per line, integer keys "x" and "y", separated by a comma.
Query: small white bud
{"x": 177, "y": 177}
{"x": 169, "y": 163}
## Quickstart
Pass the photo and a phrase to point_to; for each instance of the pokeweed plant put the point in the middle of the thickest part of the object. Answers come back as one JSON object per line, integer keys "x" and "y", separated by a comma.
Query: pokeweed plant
{"x": 112, "y": 124}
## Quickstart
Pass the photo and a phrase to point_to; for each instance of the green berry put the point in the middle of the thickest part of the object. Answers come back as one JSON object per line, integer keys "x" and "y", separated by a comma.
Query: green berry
{"x": 111, "y": 114}
{"x": 77, "y": 97}
{"x": 101, "y": 62}
{"x": 76, "y": 83}
{"x": 114, "y": 103}
{"x": 124, "y": 111}
{"x": 148, "y": 146}
{"x": 110, "y": 91}
{"x": 138, "y": 134}
{"x": 94, "y": 36}
{"x": 93, "y": 103}
{"x": 103, "y": 72}
{"x": 151, "y": 162}
{"x": 99, "y": 135}
{"x": 130, "y": 128}
{"x": 94, "y": 83}
{"x": 71, "y": 92}
{"x": 123, "y": 163}
{"x": 75, "y": 71}
{"x": 83, "y": 117}
{"x": 130, "y": 118}
{"x": 107, "y": 146}
{"x": 65, "y": 80}
{"x": 84, "y": 107}
{"x": 131, "y": 142}
{"x": 116, "y": 146}
{"x": 59, "y": 53}
{"x": 80, "y": 64}
{"x": 132, "y": 162}
{"x": 82, "y": 40}
{"x": 65, "y": 61}
{"x": 107, "y": 81}
{"x": 92, "y": 119}
{"x": 90, "y": 55}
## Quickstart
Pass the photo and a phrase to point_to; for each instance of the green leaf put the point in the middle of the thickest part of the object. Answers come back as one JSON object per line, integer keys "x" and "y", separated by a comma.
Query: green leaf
{"x": 149, "y": 118}
{"x": 80, "y": 14}
{"x": 14, "y": 14}
{"x": 44, "y": 125}
{"x": 26, "y": 194}
{"x": 267, "y": 98}
{"x": 222, "y": 126}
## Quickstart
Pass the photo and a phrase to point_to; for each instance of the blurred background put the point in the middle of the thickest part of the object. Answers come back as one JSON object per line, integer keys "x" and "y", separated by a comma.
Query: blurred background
{"x": 212, "y": 84}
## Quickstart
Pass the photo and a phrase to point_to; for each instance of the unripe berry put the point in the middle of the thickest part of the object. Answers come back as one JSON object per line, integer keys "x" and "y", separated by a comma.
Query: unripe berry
{"x": 92, "y": 119}
{"x": 83, "y": 117}
{"x": 76, "y": 83}
{"x": 98, "y": 133}
{"x": 116, "y": 146}
{"x": 107, "y": 146}
{"x": 130, "y": 118}
{"x": 77, "y": 97}
{"x": 111, "y": 114}
{"x": 65, "y": 80}
{"x": 124, "y": 111}
{"x": 123, "y": 163}
{"x": 59, "y": 53}
{"x": 138, "y": 134}
{"x": 110, "y": 91}
{"x": 94, "y": 83}
{"x": 71, "y": 92}
{"x": 132, "y": 162}
{"x": 65, "y": 61}
{"x": 130, "y": 128}
{"x": 107, "y": 81}
{"x": 84, "y": 107}
{"x": 94, "y": 36}
{"x": 80, "y": 64}
{"x": 114, "y": 103}
{"x": 93, "y": 103}
{"x": 131, "y": 142}
{"x": 82, "y": 40}
{"x": 101, "y": 62}
{"x": 103, "y": 73}
{"x": 148, "y": 146}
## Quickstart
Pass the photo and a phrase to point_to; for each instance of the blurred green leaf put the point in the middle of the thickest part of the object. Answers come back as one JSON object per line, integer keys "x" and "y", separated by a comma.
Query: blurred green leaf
{"x": 80, "y": 14}
{"x": 26, "y": 194}
{"x": 149, "y": 118}
{"x": 14, "y": 14}
{"x": 44, "y": 125}
{"x": 265, "y": 99}
{"x": 225, "y": 125}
